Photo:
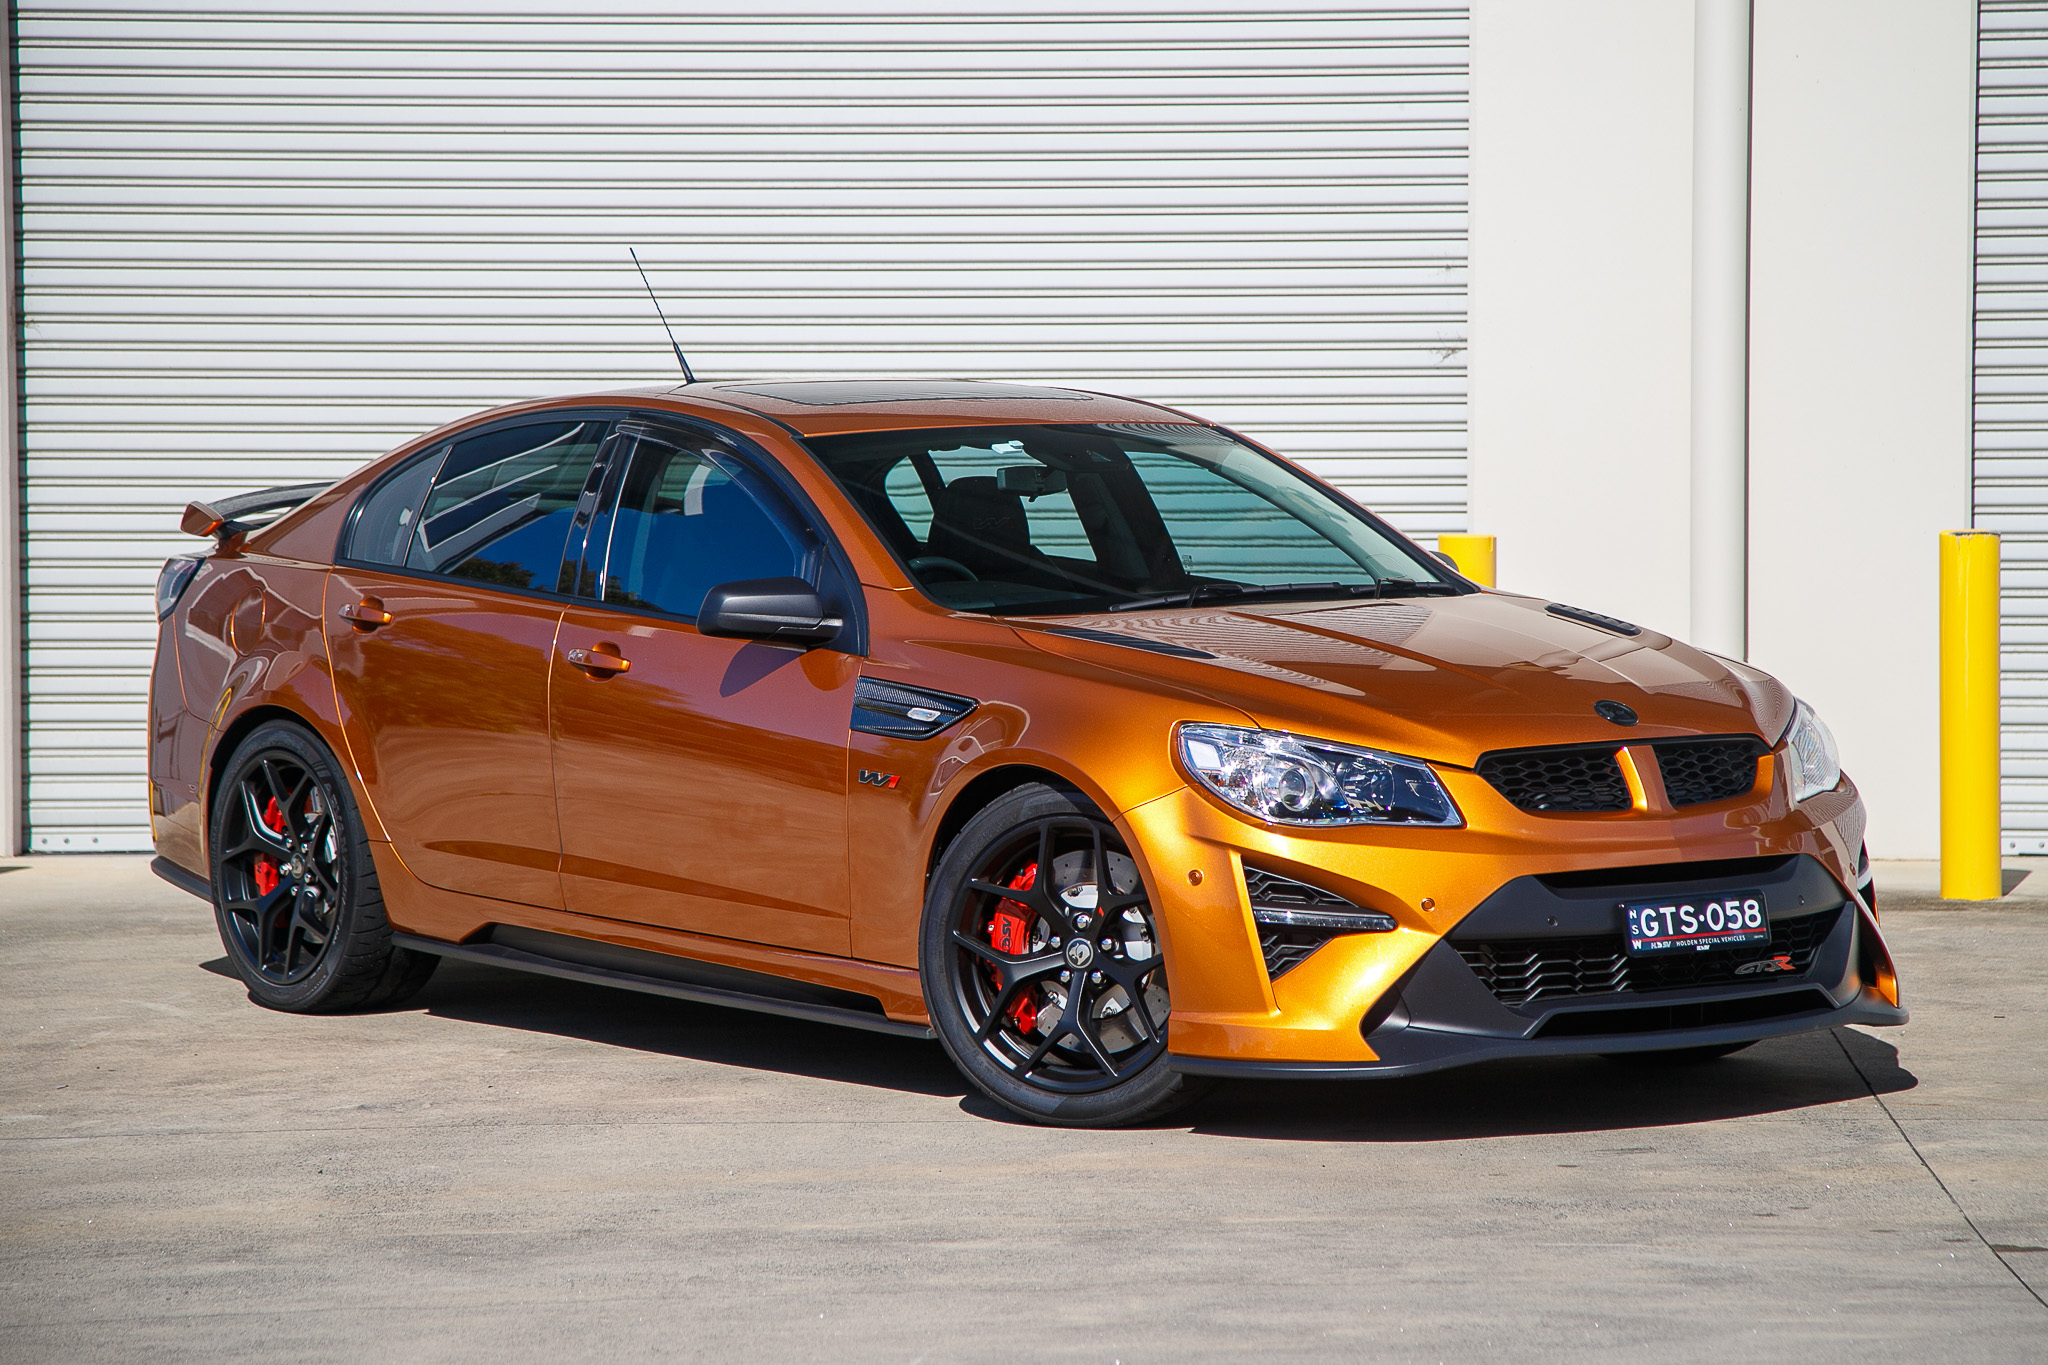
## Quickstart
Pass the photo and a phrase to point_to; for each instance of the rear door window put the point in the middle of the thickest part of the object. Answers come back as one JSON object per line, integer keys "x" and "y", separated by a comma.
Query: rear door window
{"x": 502, "y": 504}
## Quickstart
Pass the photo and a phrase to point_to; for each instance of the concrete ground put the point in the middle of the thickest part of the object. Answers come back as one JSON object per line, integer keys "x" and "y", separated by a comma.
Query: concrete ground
{"x": 514, "y": 1168}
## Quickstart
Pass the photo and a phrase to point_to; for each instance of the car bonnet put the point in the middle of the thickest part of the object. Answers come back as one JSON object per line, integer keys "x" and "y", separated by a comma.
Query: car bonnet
{"x": 1444, "y": 678}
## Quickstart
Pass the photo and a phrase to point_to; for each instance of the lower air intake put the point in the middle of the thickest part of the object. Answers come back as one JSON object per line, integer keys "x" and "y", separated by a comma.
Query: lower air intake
{"x": 1294, "y": 919}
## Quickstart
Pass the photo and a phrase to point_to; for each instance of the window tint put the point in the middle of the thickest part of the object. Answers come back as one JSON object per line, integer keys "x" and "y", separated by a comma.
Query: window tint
{"x": 1225, "y": 529}
{"x": 1073, "y": 518}
{"x": 682, "y": 526}
{"x": 384, "y": 526}
{"x": 501, "y": 508}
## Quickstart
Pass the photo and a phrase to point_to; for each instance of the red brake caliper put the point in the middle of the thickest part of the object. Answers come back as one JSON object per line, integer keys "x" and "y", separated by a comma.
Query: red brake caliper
{"x": 1010, "y": 932}
{"x": 266, "y": 869}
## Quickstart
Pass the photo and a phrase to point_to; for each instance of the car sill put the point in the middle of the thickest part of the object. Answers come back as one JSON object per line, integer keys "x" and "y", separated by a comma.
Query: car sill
{"x": 189, "y": 882}
{"x": 498, "y": 955}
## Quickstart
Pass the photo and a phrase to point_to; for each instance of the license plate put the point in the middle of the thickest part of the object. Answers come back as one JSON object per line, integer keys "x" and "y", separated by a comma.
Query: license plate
{"x": 1679, "y": 924}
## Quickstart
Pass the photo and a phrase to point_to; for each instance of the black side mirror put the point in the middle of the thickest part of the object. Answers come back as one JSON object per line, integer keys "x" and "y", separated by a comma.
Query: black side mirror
{"x": 1448, "y": 560}
{"x": 780, "y": 609}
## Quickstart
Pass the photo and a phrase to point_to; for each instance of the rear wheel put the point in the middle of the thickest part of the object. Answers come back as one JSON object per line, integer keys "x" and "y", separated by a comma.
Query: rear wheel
{"x": 295, "y": 894}
{"x": 1042, "y": 969}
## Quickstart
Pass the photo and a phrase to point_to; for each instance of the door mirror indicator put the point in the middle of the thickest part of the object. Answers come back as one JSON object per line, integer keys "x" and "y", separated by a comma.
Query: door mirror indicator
{"x": 785, "y": 609}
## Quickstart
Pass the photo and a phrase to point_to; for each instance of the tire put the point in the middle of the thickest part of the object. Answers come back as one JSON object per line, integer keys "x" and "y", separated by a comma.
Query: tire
{"x": 1679, "y": 1056}
{"x": 295, "y": 895}
{"x": 999, "y": 1010}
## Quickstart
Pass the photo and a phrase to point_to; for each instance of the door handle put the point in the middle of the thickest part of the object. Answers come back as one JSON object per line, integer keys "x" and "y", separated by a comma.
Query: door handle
{"x": 365, "y": 615}
{"x": 601, "y": 662}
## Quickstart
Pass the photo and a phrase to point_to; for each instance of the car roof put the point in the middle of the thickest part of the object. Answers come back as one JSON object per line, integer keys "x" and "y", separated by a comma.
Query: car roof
{"x": 825, "y": 407}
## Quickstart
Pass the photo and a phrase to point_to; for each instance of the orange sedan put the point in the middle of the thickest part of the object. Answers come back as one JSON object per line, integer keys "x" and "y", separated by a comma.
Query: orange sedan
{"x": 1101, "y": 743}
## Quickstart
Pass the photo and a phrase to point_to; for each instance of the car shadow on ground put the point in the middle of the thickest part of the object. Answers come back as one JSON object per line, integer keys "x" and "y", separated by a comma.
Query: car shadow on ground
{"x": 501, "y": 998}
{"x": 1491, "y": 1099}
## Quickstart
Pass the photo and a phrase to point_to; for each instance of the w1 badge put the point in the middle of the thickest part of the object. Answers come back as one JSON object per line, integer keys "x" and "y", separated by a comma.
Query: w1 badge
{"x": 1722, "y": 920}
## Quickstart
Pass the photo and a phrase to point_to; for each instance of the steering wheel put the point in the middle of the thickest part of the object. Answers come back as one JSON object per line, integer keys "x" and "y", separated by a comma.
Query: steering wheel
{"x": 923, "y": 562}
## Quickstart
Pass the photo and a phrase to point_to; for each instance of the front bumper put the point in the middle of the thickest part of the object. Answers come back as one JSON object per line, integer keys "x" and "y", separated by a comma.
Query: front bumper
{"x": 1533, "y": 965}
{"x": 1444, "y": 1013}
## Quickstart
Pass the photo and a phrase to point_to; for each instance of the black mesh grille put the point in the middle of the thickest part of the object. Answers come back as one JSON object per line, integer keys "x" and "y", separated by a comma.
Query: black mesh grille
{"x": 1697, "y": 771}
{"x": 1271, "y": 890}
{"x": 1287, "y": 946}
{"x": 1575, "y": 778}
{"x": 1519, "y": 971}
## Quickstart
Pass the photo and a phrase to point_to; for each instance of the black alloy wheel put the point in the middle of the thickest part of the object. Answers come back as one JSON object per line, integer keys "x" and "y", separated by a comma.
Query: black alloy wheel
{"x": 295, "y": 894}
{"x": 1042, "y": 965}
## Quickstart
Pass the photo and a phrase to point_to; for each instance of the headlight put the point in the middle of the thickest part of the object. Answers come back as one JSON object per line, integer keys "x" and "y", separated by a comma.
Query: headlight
{"x": 1810, "y": 752}
{"x": 1295, "y": 780}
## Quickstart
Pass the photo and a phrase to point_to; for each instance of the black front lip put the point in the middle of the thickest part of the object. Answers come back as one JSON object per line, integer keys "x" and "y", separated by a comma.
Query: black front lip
{"x": 1426, "y": 1049}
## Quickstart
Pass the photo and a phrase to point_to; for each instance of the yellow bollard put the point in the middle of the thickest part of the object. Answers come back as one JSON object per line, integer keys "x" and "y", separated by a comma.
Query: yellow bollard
{"x": 1969, "y": 716}
{"x": 1474, "y": 556}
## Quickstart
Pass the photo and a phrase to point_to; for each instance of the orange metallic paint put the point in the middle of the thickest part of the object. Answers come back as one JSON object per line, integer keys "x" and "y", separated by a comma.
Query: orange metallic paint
{"x": 706, "y": 800}
{"x": 446, "y": 712}
{"x": 705, "y": 788}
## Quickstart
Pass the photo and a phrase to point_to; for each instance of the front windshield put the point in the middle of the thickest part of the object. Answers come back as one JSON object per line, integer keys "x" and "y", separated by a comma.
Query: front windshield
{"x": 1056, "y": 519}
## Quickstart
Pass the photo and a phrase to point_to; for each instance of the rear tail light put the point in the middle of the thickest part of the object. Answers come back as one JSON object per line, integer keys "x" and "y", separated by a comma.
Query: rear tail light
{"x": 172, "y": 581}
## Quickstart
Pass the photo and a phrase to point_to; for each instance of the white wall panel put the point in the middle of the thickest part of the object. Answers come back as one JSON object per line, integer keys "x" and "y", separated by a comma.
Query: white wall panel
{"x": 2010, "y": 474}
{"x": 1859, "y": 375}
{"x": 264, "y": 243}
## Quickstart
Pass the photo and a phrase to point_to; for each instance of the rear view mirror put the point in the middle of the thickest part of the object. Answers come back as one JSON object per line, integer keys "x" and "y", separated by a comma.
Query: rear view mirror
{"x": 1032, "y": 480}
{"x": 781, "y": 609}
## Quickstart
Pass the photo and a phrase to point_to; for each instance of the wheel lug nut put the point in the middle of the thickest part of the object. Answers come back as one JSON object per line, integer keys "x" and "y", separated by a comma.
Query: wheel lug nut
{"x": 1096, "y": 977}
{"x": 1066, "y": 976}
{"x": 1055, "y": 940}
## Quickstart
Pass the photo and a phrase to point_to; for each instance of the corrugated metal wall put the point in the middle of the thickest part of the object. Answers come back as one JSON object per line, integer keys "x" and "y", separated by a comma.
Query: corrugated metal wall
{"x": 264, "y": 244}
{"x": 2010, "y": 475}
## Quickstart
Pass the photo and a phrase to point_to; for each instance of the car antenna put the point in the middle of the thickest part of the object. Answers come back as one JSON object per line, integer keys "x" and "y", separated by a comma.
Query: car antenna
{"x": 688, "y": 378}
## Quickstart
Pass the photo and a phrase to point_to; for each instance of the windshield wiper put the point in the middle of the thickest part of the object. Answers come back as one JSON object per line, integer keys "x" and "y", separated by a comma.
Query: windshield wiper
{"x": 1208, "y": 592}
{"x": 1409, "y": 587}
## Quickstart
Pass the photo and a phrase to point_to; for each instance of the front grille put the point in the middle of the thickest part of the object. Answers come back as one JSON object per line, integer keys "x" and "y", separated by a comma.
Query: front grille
{"x": 1277, "y": 900}
{"x": 1697, "y": 771}
{"x": 1521, "y": 971}
{"x": 1577, "y": 777}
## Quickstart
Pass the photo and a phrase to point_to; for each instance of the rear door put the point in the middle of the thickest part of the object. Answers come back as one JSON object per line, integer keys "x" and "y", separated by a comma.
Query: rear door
{"x": 441, "y": 618}
{"x": 702, "y": 782}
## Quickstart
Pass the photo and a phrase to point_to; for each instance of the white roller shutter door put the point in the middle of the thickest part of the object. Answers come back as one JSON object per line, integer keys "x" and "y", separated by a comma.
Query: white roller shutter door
{"x": 263, "y": 245}
{"x": 2010, "y": 469}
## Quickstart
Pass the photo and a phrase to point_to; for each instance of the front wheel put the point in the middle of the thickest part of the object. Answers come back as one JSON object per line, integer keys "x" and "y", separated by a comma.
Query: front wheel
{"x": 295, "y": 894}
{"x": 1042, "y": 968}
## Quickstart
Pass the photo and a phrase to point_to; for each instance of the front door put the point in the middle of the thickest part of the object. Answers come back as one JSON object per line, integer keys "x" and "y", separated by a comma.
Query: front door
{"x": 701, "y": 781}
{"x": 441, "y": 619}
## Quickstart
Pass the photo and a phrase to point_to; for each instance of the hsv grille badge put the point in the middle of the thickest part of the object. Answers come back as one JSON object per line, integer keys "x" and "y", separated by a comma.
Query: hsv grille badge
{"x": 1781, "y": 963}
{"x": 1079, "y": 953}
{"x": 879, "y": 779}
{"x": 1614, "y": 711}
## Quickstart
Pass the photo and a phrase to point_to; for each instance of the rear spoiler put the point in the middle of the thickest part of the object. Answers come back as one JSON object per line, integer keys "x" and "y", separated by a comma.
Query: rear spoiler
{"x": 226, "y": 518}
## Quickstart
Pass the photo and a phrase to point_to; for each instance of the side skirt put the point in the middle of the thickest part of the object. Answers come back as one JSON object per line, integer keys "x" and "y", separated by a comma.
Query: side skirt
{"x": 184, "y": 880}
{"x": 498, "y": 955}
